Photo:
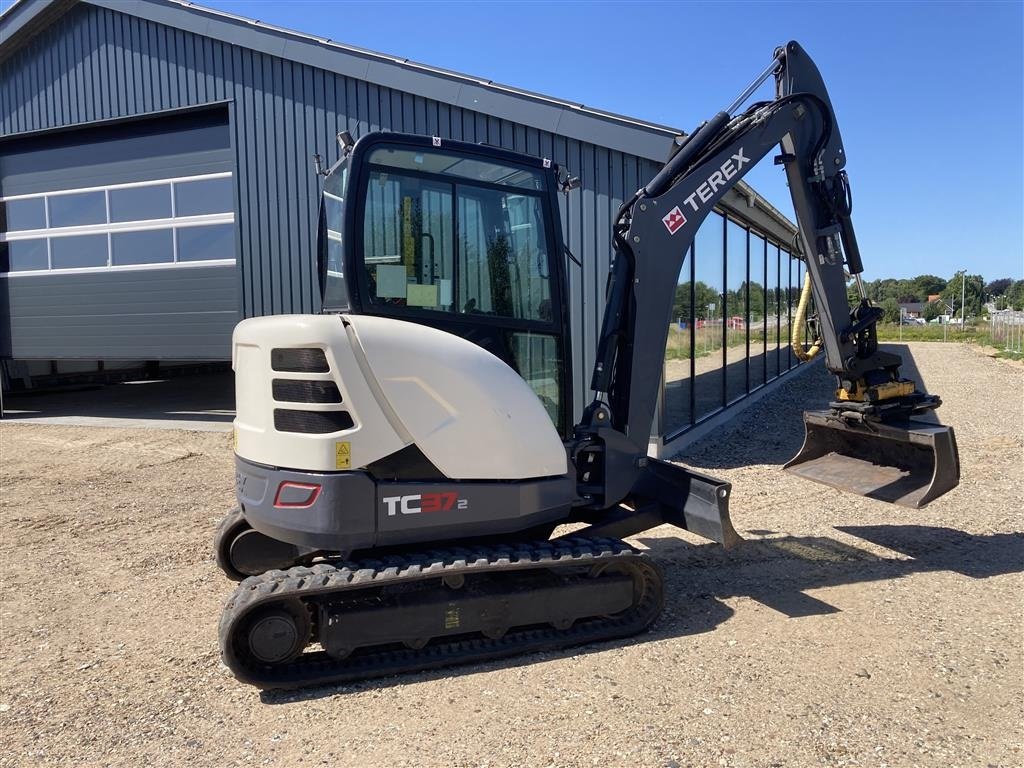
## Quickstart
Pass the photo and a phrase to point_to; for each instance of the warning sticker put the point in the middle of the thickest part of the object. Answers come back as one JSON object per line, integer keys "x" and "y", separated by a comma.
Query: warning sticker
{"x": 451, "y": 617}
{"x": 343, "y": 455}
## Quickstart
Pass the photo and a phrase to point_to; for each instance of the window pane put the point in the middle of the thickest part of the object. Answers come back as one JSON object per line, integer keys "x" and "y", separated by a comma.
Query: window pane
{"x": 758, "y": 315}
{"x": 78, "y": 251}
{"x": 335, "y": 291}
{"x": 17, "y": 215}
{"x": 140, "y": 203}
{"x": 23, "y": 255}
{"x": 678, "y": 349}
{"x": 503, "y": 258}
{"x": 79, "y": 208}
{"x": 789, "y": 307}
{"x": 736, "y": 311}
{"x": 206, "y": 243}
{"x": 192, "y": 198}
{"x": 464, "y": 167}
{"x": 538, "y": 361}
{"x": 774, "y": 314}
{"x": 408, "y": 242}
{"x": 709, "y": 252}
{"x": 149, "y": 247}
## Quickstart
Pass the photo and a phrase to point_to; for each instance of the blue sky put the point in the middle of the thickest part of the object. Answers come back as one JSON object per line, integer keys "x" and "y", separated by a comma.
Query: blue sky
{"x": 928, "y": 94}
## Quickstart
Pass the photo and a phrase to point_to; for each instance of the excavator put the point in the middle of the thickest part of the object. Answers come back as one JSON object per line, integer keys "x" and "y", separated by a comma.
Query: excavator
{"x": 404, "y": 458}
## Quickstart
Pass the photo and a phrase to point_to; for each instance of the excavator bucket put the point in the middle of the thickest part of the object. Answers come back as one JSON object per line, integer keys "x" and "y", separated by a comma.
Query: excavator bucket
{"x": 908, "y": 464}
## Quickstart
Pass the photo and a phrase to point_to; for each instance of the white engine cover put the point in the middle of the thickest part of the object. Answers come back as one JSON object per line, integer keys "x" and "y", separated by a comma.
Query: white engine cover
{"x": 470, "y": 414}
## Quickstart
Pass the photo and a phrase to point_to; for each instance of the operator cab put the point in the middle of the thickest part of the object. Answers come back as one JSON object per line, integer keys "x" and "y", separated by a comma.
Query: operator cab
{"x": 462, "y": 237}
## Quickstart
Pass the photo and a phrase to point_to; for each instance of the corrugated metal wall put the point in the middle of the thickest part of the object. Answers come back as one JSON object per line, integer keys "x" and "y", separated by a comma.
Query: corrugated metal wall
{"x": 96, "y": 64}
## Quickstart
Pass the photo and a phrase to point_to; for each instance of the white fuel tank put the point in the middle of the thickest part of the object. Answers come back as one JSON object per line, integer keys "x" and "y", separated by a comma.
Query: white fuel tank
{"x": 399, "y": 383}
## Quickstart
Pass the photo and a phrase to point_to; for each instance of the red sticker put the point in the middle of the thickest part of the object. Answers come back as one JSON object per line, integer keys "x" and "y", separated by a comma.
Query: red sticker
{"x": 673, "y": 220}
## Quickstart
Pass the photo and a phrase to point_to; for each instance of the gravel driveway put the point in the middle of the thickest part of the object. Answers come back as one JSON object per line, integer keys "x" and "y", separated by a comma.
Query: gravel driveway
{"x": 843, "y": 633}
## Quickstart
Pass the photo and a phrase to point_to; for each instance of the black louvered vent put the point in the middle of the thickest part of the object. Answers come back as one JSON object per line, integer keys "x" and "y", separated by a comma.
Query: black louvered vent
{"x": 291, "y": 391}
{"x": 311, "y": 422}
{"x": 299, "y": 360}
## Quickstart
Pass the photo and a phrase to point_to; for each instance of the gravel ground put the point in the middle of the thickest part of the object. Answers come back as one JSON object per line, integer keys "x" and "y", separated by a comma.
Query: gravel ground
{"x": 843, "y": 633}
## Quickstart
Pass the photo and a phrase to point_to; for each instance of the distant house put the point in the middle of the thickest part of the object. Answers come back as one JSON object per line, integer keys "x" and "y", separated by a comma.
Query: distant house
{"x": 912, "y": 308}
{"x": 934, "y": 297}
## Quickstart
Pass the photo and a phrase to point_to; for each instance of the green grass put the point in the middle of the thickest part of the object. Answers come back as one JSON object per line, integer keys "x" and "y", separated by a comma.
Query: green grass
{"x": 891, "y": 332}
{"x": 978, "y": 333}
{"x": 1010, "y": 355}
{"x": 709, "y": 340}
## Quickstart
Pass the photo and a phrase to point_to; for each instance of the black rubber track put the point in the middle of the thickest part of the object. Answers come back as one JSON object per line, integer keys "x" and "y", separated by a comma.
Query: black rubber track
{"x": 319, "y": 582}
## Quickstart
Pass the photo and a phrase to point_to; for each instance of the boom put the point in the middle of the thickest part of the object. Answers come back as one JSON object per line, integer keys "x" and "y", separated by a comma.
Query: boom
{"x": 656, "y": 228}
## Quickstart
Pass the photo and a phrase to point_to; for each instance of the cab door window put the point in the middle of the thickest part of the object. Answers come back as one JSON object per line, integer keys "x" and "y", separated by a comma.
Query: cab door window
{"x": 502, "y": 255}
{"x": 408, "y": 242}
{"x": 467, "y": 238}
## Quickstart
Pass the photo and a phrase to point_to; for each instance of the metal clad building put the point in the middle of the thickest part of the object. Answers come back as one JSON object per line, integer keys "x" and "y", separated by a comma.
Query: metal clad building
{"x": 157, "y": 185}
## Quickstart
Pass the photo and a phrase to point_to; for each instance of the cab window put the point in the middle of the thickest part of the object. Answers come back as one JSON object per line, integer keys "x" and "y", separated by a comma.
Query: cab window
{"x": 453, "y": 234}
{"x": 335, "y": 292}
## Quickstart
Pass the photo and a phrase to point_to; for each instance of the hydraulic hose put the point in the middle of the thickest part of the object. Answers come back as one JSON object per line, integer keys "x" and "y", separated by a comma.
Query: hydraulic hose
{"x": 799, "y": 321}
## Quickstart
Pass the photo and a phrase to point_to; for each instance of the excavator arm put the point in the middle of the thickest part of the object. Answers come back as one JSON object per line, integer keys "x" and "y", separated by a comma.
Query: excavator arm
{"x": 656, "y": 229}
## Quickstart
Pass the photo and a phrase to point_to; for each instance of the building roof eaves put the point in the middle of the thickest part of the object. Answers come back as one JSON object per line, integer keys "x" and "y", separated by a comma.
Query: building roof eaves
{"x": 547, "y": 113}
{"x": 540, "y": 111}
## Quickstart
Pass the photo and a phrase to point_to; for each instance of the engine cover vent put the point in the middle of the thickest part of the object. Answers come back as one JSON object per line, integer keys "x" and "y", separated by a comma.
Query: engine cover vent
{"x": 291, "y": 391}
{"x": 311, "y": 422}
{"x": 299, "y": 360}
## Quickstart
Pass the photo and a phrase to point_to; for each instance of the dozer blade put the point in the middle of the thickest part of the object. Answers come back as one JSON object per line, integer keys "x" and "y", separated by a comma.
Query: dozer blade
{"x": 908, "y": 464}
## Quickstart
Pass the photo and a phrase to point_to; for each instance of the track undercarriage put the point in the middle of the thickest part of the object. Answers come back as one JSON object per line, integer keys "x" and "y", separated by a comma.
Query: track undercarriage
{"x": 343, "y": 621}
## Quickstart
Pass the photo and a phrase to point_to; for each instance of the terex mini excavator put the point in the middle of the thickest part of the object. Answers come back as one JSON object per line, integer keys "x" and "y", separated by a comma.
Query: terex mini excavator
{"x": 404, "y": 458}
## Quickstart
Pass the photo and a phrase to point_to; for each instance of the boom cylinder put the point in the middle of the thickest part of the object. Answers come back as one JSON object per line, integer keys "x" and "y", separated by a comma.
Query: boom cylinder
{"x": 661, "y": 182}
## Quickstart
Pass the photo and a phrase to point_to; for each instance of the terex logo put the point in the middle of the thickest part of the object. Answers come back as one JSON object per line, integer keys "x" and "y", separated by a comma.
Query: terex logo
{"x": 673, "y": 220}
{"x": 424, "y": 502}
{"x": 717, "y": 179}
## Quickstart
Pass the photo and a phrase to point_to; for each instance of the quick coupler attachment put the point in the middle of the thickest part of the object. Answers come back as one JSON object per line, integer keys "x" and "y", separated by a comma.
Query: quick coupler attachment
{"x": 909, "y": 463}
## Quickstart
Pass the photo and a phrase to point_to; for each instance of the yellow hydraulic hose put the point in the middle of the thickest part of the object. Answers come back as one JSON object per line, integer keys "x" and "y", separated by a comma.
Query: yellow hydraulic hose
{"x": 798, "y": 325}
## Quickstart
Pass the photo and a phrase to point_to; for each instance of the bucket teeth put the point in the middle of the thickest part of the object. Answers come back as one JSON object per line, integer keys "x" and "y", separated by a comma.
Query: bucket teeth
{"x": 909, "y": 464}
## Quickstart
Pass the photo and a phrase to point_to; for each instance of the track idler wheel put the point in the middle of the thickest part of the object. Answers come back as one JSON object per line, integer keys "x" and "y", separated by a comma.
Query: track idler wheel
{"x": 277, "y": 634}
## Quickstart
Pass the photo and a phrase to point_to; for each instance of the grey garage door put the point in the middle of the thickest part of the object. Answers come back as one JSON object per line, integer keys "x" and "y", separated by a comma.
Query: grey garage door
{"x": 119, "y": 241}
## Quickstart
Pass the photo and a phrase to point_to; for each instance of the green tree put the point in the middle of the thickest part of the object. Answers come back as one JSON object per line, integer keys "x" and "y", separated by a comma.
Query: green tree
{"x": 906, "y": 291}
{"x": 880, "y": 290}
{"x": 926, "y": 285}
{"x": 998, "y": 287}
{"x": 1015, "y": 295}
{"x": 852, "y": 296}
{"x": 891, "y": 310}
{"x": 498, "y": 255}
{"x": 932, "y": 310}
{"x": 738, "y": 301}
{"x": 971, "y": 287}
{"x": 705, "y": 295}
